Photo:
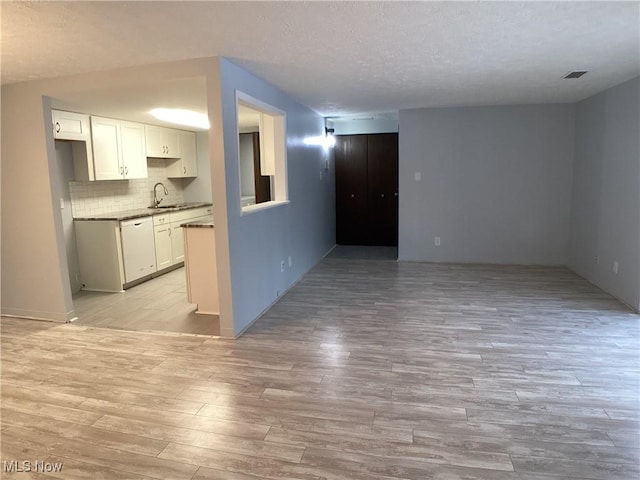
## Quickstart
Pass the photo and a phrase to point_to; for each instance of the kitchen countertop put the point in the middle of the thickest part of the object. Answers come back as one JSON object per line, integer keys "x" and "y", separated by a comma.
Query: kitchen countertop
{"x": 199, "y": 223}
{"x": 144, "y": 212}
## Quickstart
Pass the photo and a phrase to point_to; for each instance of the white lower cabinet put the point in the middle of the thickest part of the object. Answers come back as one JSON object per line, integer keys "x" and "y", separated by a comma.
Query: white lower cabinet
{"x": 177, "y": 242}
{"x": 164, "y": 251}
{"x": 169, "y": 237}
{"x": 162, "y": 235}
{"x": 114, "y": 255}
{"x": 168, "y": 226}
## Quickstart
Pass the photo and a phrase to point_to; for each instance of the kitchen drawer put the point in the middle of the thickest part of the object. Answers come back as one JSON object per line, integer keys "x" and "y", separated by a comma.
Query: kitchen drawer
{"x": 204, "y": 211}
{"x": 161, "y": 219}
{"x": 199, "y": 212}
{"x": 184, "y": 215}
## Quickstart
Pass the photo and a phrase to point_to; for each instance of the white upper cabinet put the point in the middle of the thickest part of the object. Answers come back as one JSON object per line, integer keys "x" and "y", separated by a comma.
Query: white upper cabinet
{"x": 118, "y": 149}
{"x": 70, "y": 126}
{"x": 107, "y": 149}
{"x": 187, "y": 165}
{"x": 162, "y": 142}
{"x": 111, "y": 149}
{"x": 134, "y": 154}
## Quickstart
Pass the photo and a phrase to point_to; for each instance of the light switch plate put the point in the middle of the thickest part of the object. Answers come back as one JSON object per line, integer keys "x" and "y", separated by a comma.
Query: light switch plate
{"x": 417, "y": 176}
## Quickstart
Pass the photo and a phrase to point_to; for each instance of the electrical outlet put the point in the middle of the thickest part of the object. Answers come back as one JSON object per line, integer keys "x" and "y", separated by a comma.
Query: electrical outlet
{"x": 282, "y": 266}
{"x": 417, "y": 176}
{"x": 615, "y": 267}
{"x": 437, "y": 241}
{"x": 290, "y": 261}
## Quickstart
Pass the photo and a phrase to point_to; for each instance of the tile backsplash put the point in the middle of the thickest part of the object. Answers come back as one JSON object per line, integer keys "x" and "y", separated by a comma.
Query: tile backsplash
{"x": 89, "y": 198}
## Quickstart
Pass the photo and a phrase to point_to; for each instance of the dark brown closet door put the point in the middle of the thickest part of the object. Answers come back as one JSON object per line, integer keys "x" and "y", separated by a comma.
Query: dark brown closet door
{"x": 351, "y": 189}
{"x": 382, "y": 179}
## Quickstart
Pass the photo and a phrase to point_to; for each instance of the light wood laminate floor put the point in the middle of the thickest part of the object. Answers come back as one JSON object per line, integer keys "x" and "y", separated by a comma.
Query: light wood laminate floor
{"x": 364, "y": 252}
{"x": 157, "y": 305}
{"x": 364, "y": 370}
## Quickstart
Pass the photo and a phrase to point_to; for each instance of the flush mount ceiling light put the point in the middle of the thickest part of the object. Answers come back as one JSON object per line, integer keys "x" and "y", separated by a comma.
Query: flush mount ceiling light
{"x": 179, "y": 116}
{"x": 576, "y": 74}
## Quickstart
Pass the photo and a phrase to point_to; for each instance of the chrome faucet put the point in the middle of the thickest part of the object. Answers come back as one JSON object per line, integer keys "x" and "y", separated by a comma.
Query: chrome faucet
{"x": 156, "y": 202}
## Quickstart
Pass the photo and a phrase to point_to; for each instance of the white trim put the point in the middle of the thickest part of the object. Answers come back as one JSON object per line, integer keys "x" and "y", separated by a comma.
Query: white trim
{"x": 330, "y": 250}
{"x": 53, "y": 319}
{"x": 277, "y": 150}
{"x": 258, "y": 207}
{"x": 253, "y": 102}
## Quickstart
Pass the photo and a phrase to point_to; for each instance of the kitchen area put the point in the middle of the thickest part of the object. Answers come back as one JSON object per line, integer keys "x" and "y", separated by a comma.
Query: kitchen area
{"x": 133, "y": 196}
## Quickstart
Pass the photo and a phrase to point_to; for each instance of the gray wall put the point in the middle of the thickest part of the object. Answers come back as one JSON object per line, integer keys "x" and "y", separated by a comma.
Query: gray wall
{"x": 495, "y": 184}
{"x": 65, "y": 174}
{"x": 348, "y": 126}
{"x": 605, "y": 222}
{"x": 303, "y": 229}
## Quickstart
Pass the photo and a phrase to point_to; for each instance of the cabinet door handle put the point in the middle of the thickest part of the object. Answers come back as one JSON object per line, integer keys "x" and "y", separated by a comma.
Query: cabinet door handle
{"x": 382, "y": 196}
{"x": 184, "y": 170}
{"x": 169, "y": 231}
{"x": 353, "y": 196}
{"x": 126, "y": 170}
{"x": 121, "y": 171}
{"x": 57, "y": 127}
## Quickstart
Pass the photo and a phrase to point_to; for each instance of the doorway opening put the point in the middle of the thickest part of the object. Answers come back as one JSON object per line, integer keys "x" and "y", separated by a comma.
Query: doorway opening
{"x": 367, "y": 195}
{"x": 182, "y": 169}
{"x": 262, "y": 154}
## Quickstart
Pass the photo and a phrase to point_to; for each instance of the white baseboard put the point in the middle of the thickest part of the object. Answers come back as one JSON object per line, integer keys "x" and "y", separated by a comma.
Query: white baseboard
{"x": 56, "y": 317}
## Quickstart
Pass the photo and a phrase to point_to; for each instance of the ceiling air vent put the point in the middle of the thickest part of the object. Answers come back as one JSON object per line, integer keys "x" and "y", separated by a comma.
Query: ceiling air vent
{"x": 575, "y": 74}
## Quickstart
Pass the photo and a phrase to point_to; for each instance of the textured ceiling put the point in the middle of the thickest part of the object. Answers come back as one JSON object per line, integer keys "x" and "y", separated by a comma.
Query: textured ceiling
{"x": 344, "y": 58}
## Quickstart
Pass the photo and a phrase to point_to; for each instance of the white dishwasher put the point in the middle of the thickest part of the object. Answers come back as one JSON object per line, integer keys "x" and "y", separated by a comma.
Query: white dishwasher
{"x": 138, "y": 248}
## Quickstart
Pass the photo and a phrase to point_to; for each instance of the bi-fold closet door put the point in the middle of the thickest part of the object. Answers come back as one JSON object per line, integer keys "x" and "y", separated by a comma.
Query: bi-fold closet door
{"x": 367, "y": 189}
